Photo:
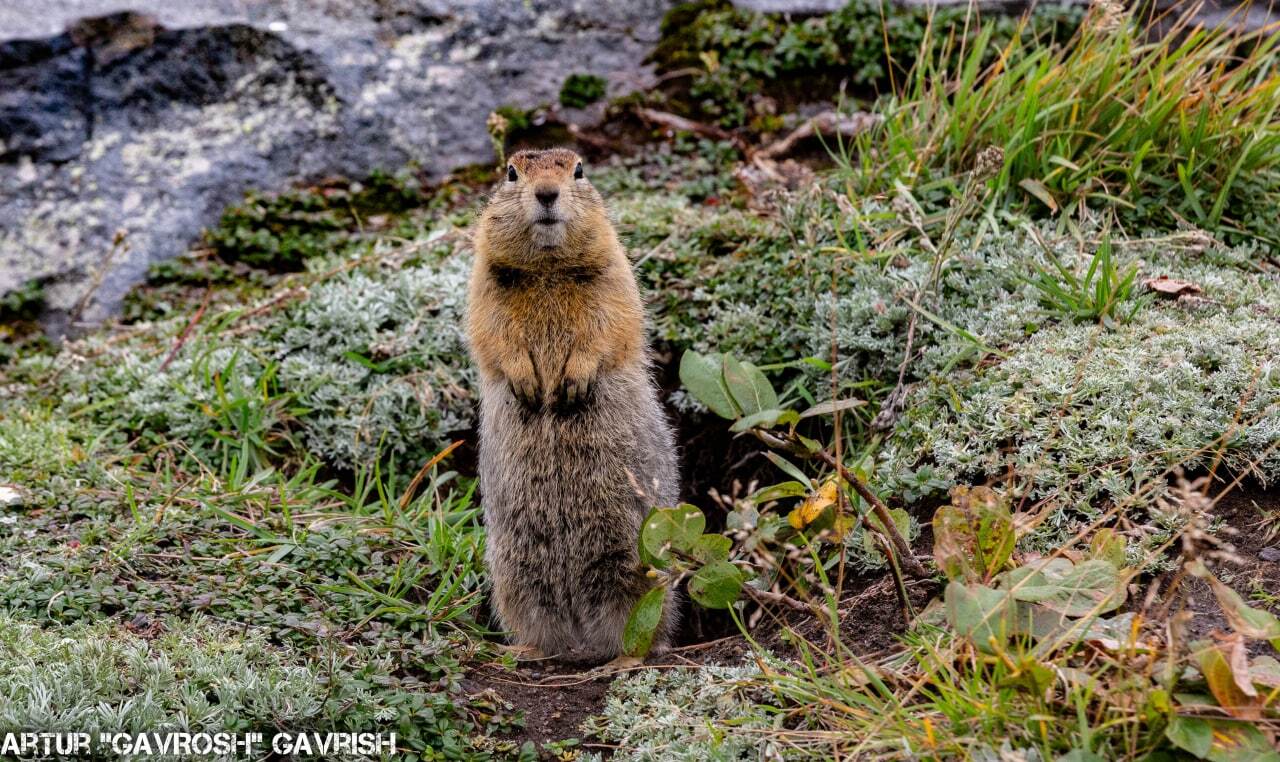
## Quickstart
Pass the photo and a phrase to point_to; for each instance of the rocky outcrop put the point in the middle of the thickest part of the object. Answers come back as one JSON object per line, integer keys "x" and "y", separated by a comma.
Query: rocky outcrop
{"x": 123, "y": 135}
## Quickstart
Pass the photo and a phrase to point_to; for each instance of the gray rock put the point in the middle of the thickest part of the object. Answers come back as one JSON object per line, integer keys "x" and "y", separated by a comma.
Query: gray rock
{"x": 10, "y": 496}
{"x": 121, "y": 137}
{"x": 1269, "y": 554}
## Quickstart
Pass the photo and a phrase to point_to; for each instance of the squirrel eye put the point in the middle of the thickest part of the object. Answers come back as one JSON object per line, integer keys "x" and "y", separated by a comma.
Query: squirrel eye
{"x": 577, "y": 172}
{"x": 511, "y": 174}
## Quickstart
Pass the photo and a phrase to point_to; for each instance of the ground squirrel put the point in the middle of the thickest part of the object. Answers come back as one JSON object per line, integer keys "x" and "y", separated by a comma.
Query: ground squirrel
{"x": 574, "y": 446}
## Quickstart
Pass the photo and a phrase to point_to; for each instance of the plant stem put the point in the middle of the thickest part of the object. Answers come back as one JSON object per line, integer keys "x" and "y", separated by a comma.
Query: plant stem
{"x": 901, "y": 548}
{"x": 768, "y": 596}
{"x": 900, "y": 544}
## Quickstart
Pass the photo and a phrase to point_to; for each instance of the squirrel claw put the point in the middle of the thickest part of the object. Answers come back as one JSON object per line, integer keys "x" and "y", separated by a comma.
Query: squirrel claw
{"x": 526, "y": 393}
{"x": 573, "y": 393}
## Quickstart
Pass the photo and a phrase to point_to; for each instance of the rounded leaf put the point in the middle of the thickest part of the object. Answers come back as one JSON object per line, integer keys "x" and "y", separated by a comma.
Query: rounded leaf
{"x": 711, "y": 547}
{"x": 668, "y": 528}
{"x": 716, "y": 585}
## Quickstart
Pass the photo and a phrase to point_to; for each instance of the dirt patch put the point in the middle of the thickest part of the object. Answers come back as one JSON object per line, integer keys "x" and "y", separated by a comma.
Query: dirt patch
{"x": 552, "y": 699}
{"x": 1256, "y": 576}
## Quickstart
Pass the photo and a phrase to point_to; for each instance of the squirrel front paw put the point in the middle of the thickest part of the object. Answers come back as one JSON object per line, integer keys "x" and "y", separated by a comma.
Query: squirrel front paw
{"x": 575, "y": 385}
{"x": 526, "y": 392}
{"x": 522, "y": 379}
{"x": 573, "y": 393}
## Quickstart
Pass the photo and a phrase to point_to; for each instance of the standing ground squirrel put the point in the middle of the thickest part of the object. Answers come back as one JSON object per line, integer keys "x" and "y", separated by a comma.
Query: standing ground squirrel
{"x": 574, "y": 447}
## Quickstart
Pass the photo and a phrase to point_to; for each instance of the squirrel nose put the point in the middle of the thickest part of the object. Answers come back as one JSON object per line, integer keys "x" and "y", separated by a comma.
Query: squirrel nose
{"x": 546, "y": 196}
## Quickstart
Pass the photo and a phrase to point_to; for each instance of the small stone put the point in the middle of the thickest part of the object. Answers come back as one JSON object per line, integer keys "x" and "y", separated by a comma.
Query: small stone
{"x": 1270, "y": 554}
{"x": 10, "y": 496}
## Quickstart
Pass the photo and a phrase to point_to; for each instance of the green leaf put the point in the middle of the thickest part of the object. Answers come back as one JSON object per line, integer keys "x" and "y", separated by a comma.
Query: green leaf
{"x": 1106, "y": 545}
{"x": 1244, "y": 619}
{"x": 974, "y": 536}
{"x": 1225, "y": 685}
{"x": 1190, "y": 734}
{"x": 1040, "y": 191}
{"x": 790, "y": 469}
{"x": 702, "y": 376}
{"x": 646, "y": 615}
{"x": 764, "y": 419}
{"x": 831, "y": 406}
{"x": 711, "y": 547}
{"x": 979, "y": 613}
{"x": 668, "y": 528}
{"x": 901, "y": 520}
{"x": 1265, "y": 670}
{"x": 1093, "y": 587}
{"x": 748, "y": 386}
{"x": 1236, "y": 741}
{"x": 810, "y": 445}
{"x": 1034, "y": 573}
{"x": 746, "y": 516}
{"x": 716, "y": 585}
{"x": 779, "y": 491}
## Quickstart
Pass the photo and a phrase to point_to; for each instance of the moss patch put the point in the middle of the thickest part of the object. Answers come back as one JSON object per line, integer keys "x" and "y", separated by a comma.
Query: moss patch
{"x": 581, "y": 90}
{"x": 739, "y": 54}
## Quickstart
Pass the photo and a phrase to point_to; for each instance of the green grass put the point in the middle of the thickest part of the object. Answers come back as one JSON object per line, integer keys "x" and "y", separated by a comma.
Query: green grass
{"x": 371, "y": 583}
{"x": 201, "y": 675}
{"x": 1179, "y": 127}
{"x": 1098, "y": 296}
{"x": 281, "y": 232}
{"x": 736, "y": 57}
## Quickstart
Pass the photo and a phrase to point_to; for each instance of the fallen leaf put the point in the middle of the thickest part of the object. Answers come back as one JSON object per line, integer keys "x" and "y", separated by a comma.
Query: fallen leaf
{"x": 1171, "y": 286}
{"x": 1238, "y": 658}
{"x": 1223, "y": 684}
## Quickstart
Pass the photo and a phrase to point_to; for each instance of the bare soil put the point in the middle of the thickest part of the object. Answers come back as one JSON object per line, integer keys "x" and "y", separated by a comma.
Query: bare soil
{"x": 1256, "y": 573}
{"x": 555, "y": 699}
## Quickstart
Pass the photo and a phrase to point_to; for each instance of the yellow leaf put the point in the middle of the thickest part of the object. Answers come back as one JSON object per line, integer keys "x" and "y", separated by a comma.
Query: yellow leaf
{"x": 813, "y": 506}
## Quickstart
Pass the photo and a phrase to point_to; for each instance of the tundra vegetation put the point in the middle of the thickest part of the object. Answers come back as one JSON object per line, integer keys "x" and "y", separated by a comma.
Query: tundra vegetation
{"x": 980, "y": 410}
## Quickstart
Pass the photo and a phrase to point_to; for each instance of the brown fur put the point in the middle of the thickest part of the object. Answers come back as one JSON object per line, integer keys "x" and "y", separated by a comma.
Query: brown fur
{"x": 574, "y": 447}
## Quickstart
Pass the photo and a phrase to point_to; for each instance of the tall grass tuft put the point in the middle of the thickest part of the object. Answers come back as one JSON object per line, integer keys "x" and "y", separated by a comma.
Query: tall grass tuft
{"x": 1171, "y": 127}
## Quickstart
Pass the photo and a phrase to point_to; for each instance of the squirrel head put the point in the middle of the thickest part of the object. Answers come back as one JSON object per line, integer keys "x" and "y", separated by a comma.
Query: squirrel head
{"x": 544, "y": 202}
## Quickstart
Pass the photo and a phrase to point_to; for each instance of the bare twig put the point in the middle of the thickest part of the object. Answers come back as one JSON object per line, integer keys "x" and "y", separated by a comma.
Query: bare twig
{"x": 118, "y": 243}
{"x": 890, "y": 530}
{"x": 186, "y": 332}
{"x": 782, "y": 599}
{"x": 825, "y": 123}
{"x": 681, "y": 124}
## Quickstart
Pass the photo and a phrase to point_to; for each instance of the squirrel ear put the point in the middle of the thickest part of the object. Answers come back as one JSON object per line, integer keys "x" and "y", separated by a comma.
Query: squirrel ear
{"x": 577, "y": 172}
{"x": 511, "y": 173}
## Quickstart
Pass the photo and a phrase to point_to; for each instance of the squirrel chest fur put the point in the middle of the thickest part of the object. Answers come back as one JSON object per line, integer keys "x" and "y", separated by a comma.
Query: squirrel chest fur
{"x": 574, "y": 446}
